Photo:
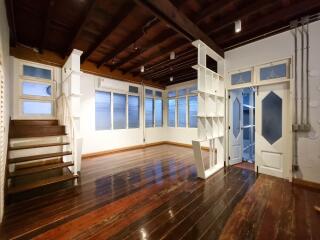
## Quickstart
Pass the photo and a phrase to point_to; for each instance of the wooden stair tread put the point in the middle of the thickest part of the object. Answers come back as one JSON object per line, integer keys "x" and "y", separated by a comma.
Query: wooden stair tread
{"x": 38, "y": 146}
{"x": 38, "y": 122}
{"x": 37, "y": 157}
{"x": 40, "y": 183}
{"x": 33, "y": 170}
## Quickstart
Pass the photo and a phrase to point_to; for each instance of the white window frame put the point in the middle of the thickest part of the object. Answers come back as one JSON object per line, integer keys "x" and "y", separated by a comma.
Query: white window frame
{"x": 154, "y": 97}
{"x": 273, "y": 63}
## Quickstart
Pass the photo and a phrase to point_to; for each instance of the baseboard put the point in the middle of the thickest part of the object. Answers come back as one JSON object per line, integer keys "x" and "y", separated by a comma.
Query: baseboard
{"x": 307, "y": 184}
{"x": 116, "y": 150}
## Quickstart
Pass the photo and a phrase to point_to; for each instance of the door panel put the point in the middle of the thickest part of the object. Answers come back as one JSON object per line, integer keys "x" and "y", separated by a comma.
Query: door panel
{"x": 272, "y": 129}
{"x": 235, "y": 132}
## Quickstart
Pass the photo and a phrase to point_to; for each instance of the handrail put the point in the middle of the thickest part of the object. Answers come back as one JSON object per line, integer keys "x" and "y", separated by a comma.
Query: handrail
{"x": 65, "y": 116}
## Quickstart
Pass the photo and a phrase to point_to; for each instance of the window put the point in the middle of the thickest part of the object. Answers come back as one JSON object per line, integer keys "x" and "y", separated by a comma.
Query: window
{"x": 172, "y": 93}
{"x": 149, "y": 92}
{"x": 133, "y": 112}
{"x": 172, "y": 112}
{"x": 149, "y": 112}
{"x": 37, "y": 108}
{"x": 158, "y": 94}
{"x": 36, "y": 89}
{"x": 103, "y": 110}
{"x": 36, "y": 72}
{"x": 119, "y": 111}
{"x": 193, "y": 111}
{"x": 273, "y": 72}
{"x": 158, "y": 112}
{"x": 242, "y": 77}
{"x": 182, "y": 112}
{"x": 182, "y": 92}
{"x": 133, "y": 89}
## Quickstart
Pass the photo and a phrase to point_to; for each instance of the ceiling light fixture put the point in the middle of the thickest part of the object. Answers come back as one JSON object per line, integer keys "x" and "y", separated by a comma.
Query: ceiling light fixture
{"x": 237, "y": 26}
{"x": 172, "y": 55}
{"x": 171, "y": 79}
{"x": 142, "y": 69}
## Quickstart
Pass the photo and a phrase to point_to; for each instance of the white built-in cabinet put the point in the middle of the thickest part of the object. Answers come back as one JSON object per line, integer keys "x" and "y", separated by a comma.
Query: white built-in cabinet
{"x": 211, "y": 112}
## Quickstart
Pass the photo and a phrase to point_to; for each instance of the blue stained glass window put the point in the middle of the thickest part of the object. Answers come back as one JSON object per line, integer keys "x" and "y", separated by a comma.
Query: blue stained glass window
{"x": 36, "y": 72}
{"x": 36, "y": 89}
{"x": 158, "y": 113}
{"x": 119, "y": 111}
{"x": 103, "y": 110}
{"x": 133, "y": 112}
{"x": 243, "y": 77}
{"x": 272, "y": 72}
{"x": 37, "y": 108}
{"x": 149, "y": 112}
{"x": 172, "y": 112}
{"x": 182, "y": 108}
{"x": 193, "y": 111}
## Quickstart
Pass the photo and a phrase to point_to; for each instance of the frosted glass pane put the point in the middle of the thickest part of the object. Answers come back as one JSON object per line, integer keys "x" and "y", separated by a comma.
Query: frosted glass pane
{"x": 133, "y": 112}
{"x": 158, "y": 113}
{"x": 193, "y": 111}
{"x": 103, "y": 110}
{"x": 277, "y": 71}
{"x": 236, "y": 117}
{"x": 172, "y": 112}
{"x": 243, "y": 77}
{"x": 36, "y": 72}
{"x": 119, "y": 111}
{"x": 149, "y": 112}
{"x": 182, "y": 108}
{"x": 272, "y": 117}
{"x": 37, "y": 108}
{"x": 36, "y": 89}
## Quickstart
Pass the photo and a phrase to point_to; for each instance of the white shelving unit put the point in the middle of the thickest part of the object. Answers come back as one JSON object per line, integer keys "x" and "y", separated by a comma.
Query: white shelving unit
{"x": 211, "y": 112}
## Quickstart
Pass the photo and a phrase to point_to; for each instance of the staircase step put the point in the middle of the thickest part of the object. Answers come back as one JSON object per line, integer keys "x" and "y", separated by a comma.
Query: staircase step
{"x": 40, "y": 183}
{"x": 37, "y": 146}
{"x": 21, "y": 131}
{"x": 43, "y": 168}
{"x": 37, "y": 157}
{"x": 39, "y": 122}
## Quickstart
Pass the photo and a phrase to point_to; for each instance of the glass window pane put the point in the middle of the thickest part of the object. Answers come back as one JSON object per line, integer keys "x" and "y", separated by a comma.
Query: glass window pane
{"x": 103, "y": 110}
{"x": 149, "y": 112}
{"x": 158, "y": 113}
{"x": 193, "y": 111}
{"x": 182, "y": 92}
{"x": 272, "y": 72}
{"x": 133, "y": 89}
{"x": 182, "y": 112}
{"x": 243, "y": 77}
{"x": 37, "y": 108}
{"x": 133, "y": 112}
{"x": 172, "y": 112}
{"x": 36, "y": 72}
{"x": 158, "y": 94}
{"x": 172, "y": 93}
{"x": 36, "y": 89}
{"x": 272, "y": 117}
{"x": 149, "y": 92}
{"x": 236, "y": 117}
{"x": 192, "y": 89}
{"x": 246, "y": 115}
{"x": 119, "y": 111}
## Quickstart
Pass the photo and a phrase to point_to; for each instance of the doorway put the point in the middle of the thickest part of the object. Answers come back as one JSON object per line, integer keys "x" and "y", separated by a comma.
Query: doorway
{"x": 242, "y": 126}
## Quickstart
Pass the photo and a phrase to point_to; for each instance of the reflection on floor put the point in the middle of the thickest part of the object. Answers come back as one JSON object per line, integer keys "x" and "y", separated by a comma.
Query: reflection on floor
{"x": 154, "y": 193}
{"x": 245, "y": 165}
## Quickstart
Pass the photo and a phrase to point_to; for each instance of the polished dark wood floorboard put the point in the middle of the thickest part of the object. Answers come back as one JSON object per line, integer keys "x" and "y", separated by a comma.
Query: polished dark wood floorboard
{"x": 154, "y": 193}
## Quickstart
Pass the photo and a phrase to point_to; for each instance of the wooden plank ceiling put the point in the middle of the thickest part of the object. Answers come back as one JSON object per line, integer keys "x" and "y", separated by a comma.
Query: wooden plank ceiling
{"x": 123, "y": 35}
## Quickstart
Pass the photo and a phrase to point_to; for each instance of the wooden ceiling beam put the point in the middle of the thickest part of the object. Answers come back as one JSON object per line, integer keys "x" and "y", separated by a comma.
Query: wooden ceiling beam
{"x": 158, "y": 40}
{"x": 81, "y": 24}
{"x": 129, "y": 41}
{"x": 168, "y": 13}
{"x": 175, "y": 72}
{"x": 11, "y": 20}
{"x": 46, "y": 27}
{"x": 116, "y": 20}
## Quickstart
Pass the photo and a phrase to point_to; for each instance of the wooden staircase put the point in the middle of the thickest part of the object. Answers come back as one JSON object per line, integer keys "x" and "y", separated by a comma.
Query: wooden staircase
{"x": 35, "y": 156}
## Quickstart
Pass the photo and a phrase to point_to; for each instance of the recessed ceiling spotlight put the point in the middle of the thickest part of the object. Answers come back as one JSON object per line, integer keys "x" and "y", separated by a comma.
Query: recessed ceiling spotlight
{"x": 172, "y": 55}
{"x": 171, "y": 79}
{"x": 142, "y": 69}
{"x": 237, "y": 26}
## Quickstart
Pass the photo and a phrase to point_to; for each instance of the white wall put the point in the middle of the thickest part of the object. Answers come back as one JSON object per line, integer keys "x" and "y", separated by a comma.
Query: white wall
{"x": 279, "y": 47}
{"x": 4, "y": 58}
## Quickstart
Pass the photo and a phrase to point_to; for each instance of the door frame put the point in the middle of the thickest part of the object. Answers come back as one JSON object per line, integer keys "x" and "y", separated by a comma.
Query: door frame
{"x": 255, "y": 82}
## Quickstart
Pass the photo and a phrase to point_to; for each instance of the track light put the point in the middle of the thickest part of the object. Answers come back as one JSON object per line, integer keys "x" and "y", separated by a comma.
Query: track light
{"x": 171, "y": 79}
{"x": 172, "y": 55}
{"x": 237, "y": 26}
{"x": 142, "y": 69}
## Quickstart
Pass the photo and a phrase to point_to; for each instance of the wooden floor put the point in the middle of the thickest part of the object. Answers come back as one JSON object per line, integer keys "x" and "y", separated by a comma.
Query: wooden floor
{"x": 154, "y": 193}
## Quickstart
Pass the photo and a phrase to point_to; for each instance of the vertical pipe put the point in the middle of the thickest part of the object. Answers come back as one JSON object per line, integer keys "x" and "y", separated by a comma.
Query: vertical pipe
{"x": 307, "y": 73}
{"x": 302, "y": 73}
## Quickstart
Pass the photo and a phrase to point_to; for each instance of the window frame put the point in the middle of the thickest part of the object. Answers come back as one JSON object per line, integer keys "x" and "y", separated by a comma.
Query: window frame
{"x": 154, "y": 97}
{"x": 273, "y": 63}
